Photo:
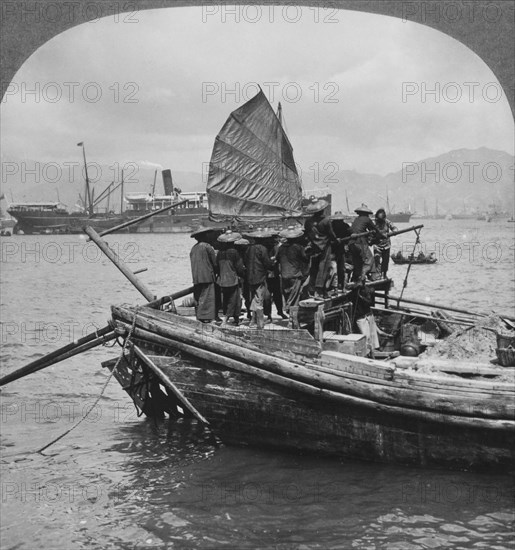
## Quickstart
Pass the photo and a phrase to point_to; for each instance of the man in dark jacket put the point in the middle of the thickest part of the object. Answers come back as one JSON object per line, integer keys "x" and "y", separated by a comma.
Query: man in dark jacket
{"x": 203, "y": 271}
{"x": 258, "y": 263}
{"x": 319, "y": 232}
{"x": 293, "y": 265}
{"x": 342, "y": 231}
{"x": 242, "y": 246}
{"x": 230, "y": 269}
{"x": 362, "y": 257}
{"x": 273, "y": 282}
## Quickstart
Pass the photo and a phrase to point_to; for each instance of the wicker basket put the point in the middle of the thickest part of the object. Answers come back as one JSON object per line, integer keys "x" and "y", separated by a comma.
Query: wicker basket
{"x": 505, "y": 339}
{"x": 506, "y": 356}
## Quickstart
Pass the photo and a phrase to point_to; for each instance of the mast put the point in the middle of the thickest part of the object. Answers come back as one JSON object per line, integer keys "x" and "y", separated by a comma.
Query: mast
{"x": 109, "y": 197}
{"x": 347, "y": 201}
{"x": 121, "y": 195}
{"x": 87, "y": 193}
{"x": 154, "y": 186}
{"x": 387, "y": 200}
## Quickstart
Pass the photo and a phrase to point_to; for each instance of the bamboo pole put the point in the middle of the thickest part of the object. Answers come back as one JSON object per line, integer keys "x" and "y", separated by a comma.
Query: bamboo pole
{"x": 111, "y": 254}
{"x": 421, "y": 316}
{"x": 59, "y": 355}
{"x": 139, "y": 219}
{"x": 448, "y": 308}
{"x": 392, "y": 234}
{"x": 170, "y": 385}
{"x": 156, "y": 304}
{"x": 99, "y": 336}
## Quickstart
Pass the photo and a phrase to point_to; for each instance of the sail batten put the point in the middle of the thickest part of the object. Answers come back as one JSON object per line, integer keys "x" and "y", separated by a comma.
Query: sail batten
{"x": 252, "y": 173}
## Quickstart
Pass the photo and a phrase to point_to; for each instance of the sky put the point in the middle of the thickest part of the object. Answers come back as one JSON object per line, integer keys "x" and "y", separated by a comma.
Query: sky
{"x": 354, "y": 87}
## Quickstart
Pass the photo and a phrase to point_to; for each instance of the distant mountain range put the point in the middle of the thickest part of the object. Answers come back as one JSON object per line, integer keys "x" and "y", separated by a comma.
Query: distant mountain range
{"x": 460, "y": 180}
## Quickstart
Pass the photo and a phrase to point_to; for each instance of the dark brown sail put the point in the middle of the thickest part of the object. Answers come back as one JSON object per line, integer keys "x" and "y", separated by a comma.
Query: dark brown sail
{"x": 252, "y": 174}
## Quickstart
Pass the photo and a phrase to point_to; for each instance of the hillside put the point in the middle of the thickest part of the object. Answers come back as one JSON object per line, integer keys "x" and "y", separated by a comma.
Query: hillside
{"x": 462, "y": 179}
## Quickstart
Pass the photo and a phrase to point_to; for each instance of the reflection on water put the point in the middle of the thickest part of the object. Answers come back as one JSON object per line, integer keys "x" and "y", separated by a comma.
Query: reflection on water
{"x": 119, "y": 481}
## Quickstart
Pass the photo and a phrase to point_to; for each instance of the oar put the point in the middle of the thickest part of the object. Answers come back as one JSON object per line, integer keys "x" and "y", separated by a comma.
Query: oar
{"x": 99, "y": 336}
{"x": 87, "y": 342}
{"x": 448, "y": 308}
{"x": 392, "y": 234}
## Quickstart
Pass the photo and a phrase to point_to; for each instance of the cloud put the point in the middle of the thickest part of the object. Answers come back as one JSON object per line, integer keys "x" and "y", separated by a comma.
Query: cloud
{"x": 149, "y": 78}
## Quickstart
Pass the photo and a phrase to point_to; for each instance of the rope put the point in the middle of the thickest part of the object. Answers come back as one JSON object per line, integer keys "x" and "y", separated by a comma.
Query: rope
{"x": 101, "y": 391}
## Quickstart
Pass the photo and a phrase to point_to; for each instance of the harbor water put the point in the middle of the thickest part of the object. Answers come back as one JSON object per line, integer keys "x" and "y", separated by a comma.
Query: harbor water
{"x": 122, "y": 481}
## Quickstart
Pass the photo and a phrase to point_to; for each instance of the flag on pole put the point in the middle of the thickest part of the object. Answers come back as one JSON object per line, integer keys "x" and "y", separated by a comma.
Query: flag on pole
{"x": 80, "y": 144}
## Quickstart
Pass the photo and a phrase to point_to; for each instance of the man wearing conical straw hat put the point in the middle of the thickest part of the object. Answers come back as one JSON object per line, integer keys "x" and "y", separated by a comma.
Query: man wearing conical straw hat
{"x": 258, "y": 263}
{"x": 293, "y": 265}
{"x": 320, "y": 233}
{"x": 203, "y": 271}
{"x": 242, "y": 246}
{"x": 231, "y": 270}
{"x": 362, "y": 257}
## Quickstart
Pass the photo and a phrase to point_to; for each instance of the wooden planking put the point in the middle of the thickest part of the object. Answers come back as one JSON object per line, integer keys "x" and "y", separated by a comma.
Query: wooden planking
{"x": 285, "y": 343}
{"x": 413, "y": 402}
{"x": 393, "y": 395}
{"x": 387, "y": 370}
{"x": 244, "y": 410}
{"x": 455, "y": 368}
{"x": 498, "y": 405}
{"x": 357, "y": 365}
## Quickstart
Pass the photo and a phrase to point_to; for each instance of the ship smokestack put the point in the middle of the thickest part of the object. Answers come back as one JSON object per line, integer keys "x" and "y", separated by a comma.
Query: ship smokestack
{"x": 167, "y": 181}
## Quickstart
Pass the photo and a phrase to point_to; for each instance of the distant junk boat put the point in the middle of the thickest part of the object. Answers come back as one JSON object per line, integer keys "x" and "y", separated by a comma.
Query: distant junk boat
{"x": 397, "y": 217}
{"x": 420, "y": 259}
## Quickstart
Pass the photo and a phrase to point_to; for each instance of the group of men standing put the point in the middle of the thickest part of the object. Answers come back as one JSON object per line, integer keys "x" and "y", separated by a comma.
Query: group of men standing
{"x": 286, "y": 266}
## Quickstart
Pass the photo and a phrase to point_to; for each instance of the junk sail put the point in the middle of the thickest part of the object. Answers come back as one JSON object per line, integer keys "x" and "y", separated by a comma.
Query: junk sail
{"x": 252, "y": 174}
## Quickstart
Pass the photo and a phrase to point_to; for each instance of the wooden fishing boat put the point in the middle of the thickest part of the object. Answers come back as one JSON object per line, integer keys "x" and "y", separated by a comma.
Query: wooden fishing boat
{"x": 291, "y": 388}
{"x": 305, "y": 384}
{"x": 401, "y": 260}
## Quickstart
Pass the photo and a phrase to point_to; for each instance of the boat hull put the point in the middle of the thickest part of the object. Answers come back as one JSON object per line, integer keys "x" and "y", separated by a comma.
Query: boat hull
{"x": 183, "y": 221}
{"x": 399, "y": 217}
{"x": 243, "y": 409}
{"x": 413, "y": 262}
{"x": 30, "y": 223}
